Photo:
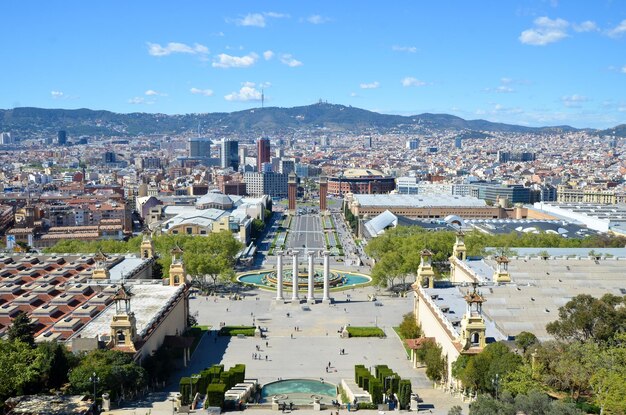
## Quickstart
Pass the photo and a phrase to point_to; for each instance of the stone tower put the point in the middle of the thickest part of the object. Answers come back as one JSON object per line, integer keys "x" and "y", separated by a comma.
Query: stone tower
{"x": 101, "y": 270}
{"x": 292, "y": 189}
{"x": 473, "y": 325}
{"x": 177, "y": 268}
{"x": 502, "y": 270}
{"x": 425, "y": 269}
{"x": 323, "y": 193}
{"x": 124, "y": 325}
{"x": 459, "y": 251}
{"x": 147, "y": 247}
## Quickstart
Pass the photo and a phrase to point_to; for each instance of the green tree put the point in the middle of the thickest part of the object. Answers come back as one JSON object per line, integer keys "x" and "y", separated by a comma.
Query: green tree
{"x": 21, "y": 329}
{"x": 409, "y": 329}
{"x": 455, "y": 410}
{"x": 521, "y": 381}
{"x": 257, "y": 228}
{"x": 117, "y": 371}
{"x": 587, "y": 318}
{"x": 18, "y": 372}
{"x": 525, "y": 340}
{"x": 53, "y": 363}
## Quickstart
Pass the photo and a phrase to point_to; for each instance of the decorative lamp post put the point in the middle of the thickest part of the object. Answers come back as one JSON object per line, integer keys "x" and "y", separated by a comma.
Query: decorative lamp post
{"x": 494, "y": 381}
{"x": 94, "y": 379}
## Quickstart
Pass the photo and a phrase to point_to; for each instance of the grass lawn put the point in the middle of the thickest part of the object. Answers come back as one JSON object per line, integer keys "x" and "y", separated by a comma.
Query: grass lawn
{"x": 366, "y": 332}
{"x": 406, "y": 349}
{"x": 237, "y": 330}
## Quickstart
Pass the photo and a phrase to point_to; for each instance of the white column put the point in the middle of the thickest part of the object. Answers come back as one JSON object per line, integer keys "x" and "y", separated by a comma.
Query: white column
{"x": 279, "y": 276}
{"x": 310, "y": 297}
{"x": 294, "y": 276}
{"x": 326, "y": 297}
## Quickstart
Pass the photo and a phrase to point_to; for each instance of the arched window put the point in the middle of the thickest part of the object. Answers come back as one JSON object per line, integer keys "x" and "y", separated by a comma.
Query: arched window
{"x": 475, "y": 338}
{"x": 121, "y": 338}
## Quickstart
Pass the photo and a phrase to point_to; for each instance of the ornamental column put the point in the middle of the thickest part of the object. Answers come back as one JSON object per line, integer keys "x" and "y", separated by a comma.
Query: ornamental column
{"x": 294, "y": 277}
{"x": 326, "y": 298}
{"x": 279, "y": 276}
{"x": 310, "y": 297}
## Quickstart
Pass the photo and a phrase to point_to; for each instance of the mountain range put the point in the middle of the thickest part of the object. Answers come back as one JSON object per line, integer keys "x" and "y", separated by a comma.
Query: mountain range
{"x": 28, "y": 122}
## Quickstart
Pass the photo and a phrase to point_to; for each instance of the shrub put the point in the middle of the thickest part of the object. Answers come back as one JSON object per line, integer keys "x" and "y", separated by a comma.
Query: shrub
{"x": 404, "y": 393}
{"x": 376, "y": 390}
{"x": 215, "y": 394}
{"x": 239, "y": 373}
{"x": 366, "y": 405}
{"x": 409, "y": 329}
{"x": 366, "y": 332}
{"x": 236, "y": 330}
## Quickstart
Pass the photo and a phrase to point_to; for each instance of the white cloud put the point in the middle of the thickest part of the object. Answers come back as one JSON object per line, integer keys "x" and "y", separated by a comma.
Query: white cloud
{"x": 573, "y": 101}
{"x": 371, "y": 85}
{"x": 57, "y": 94}
{"x": 624, "y": 69}
{"x": 354, "y": 94}
{"x": 317, "y": 19}
{"x": 268, "y": 54}
{"x": 153, "y": 93}
{"x": 618, "y": 30}
{"x": 228, "y": 61}
{"x": 203, "y": 92}
{"x": 290, "y": 61}
{"x": 276, "y": 15}
{"x": 546, "y": 31}
{"x": 410, "y": 81}
{"x": 409, "y": 49}
{"x": 248, "y": 92}
{"x": 264, "y": 84}
{"x": 257, "y": 19}
{"x": 502, "y": 89}
{"x": 139, "y": 100}
{"x": 251, "y": 19}
{"x": 155, "y": 49}
{"x": 586, "y": 26}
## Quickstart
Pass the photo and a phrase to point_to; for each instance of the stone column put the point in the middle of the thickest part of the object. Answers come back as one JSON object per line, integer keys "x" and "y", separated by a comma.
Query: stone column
{"x": 279, "y": 276}
{"x": 294, "y": 277}
{"x": 326, "y": 297}
{"x": 310, "y": 297}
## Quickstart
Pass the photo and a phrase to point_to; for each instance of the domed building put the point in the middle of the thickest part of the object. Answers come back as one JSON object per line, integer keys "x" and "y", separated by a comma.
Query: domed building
{"x": 360, "y": 181}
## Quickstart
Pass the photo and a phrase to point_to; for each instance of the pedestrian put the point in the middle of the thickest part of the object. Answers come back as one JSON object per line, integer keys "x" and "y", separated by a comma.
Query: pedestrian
{"x": 266, "y": 358}
{"x": 329, "y": 366}
{"x": 267, "y": 344}
{"x": 292, "y": 335}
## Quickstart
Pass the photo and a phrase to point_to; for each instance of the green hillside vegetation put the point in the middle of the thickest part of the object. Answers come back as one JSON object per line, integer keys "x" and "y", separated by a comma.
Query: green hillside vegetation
{"x": 27, "y": 121}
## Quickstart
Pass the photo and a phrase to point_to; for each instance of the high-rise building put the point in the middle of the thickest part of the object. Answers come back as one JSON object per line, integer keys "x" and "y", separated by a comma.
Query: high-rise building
{"x": 458, "y": 142}
{"x": 243, "y": 153}
{"x": 229, "y": 155}
{"x": 506, "y": 156}
{"x": 287, "y": 166}
{"x": 198, "y": 147}
{"x": 62, "y": 138}
{"x": 269, "y": 183}
{"x": 325, "y": 141}
{"x": 367, "y": 141}
{"x": 262, "y": 152}
{"x": 5, "y": 138}
{"x": 413, "y": 144}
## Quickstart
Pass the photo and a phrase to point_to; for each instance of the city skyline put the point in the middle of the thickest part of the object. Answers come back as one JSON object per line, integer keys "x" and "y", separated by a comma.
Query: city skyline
{"x": 529, "y": 63}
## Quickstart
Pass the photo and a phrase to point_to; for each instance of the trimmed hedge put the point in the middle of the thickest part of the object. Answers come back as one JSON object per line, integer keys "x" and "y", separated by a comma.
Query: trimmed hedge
{"x": 215, "y": 394}
{"x": 376, "y": 390}
{"x": 366, "y": 332}
{"x": 236, "y": 330}
{"x": 185, "y": 388}
{"x": 404, "y": 393}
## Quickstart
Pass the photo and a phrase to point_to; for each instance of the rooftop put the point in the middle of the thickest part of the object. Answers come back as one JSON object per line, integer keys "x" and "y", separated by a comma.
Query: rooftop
{"x": 418, "y": 201}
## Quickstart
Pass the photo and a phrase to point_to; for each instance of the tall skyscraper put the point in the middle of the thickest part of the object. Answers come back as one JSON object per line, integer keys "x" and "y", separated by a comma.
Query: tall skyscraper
{"x": 413, "y": 144}
{"x": 367, "y": 141}
{"x": 198, "y": 147}
{"x": 62, "y": 138}
{"x": 458, "y": 142}
{"x": 262, "y": 152}
{"x": 230, "y": 154}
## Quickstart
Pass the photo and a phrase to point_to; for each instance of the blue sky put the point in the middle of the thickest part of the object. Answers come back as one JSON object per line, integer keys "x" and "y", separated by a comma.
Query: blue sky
{"x": 529, "y": 62}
